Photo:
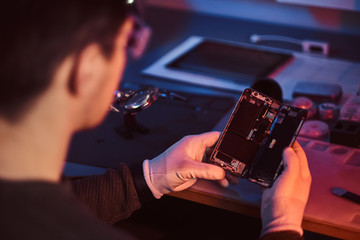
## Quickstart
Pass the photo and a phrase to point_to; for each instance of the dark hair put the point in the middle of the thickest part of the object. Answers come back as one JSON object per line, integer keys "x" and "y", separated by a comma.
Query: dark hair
{"x": 36, "y": 36}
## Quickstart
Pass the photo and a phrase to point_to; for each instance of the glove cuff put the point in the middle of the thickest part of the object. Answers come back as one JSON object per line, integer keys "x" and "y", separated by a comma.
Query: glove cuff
{"x": 282, "y": 227}
{"x": 143, "y": 191}
{"x": 283, "y": 216}
{"x": 148, "y": 179}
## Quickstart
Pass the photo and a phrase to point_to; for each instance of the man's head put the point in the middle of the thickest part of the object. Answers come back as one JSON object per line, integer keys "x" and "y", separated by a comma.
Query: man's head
{"x": 36, "y": 38}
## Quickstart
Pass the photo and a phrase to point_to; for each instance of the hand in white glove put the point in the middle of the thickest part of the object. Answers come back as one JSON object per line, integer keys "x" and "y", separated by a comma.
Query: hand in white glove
{"x": 179, "y": 166}
{"x": 283, "y": 204}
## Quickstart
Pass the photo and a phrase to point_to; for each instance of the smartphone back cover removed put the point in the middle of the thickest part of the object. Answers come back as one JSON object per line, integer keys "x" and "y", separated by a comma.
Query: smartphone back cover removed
{"x": 268, "y": 163}
{"x": 245, "y": 132}
{"x": 258, "y": 131}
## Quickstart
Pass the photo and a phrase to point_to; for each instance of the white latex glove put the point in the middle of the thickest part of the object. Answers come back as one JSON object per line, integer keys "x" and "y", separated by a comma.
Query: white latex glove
{"x": 179, "y": 166}
{"x": 283, "y": 204}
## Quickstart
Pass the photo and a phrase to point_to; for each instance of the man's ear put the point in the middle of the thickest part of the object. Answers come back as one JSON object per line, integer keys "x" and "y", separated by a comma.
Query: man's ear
{"x": 88, "y": 68}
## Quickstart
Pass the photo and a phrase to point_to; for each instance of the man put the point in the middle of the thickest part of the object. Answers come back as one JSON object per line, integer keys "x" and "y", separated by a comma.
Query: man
{"x": 60, "y": 62}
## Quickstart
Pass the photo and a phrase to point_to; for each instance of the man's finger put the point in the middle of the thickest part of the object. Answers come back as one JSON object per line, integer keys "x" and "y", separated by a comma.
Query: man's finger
{"x": 232, "y": 179}
{"x": 303, "y": 162}
{"x": 208, "y": 171}
{"x": 223, "y": 182}
{"x": 291, "y": 162}
{"x": 209, "y": 138}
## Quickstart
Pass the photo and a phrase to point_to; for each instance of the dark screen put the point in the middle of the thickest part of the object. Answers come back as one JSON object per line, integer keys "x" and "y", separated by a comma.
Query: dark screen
{"x": 232, "y": 62}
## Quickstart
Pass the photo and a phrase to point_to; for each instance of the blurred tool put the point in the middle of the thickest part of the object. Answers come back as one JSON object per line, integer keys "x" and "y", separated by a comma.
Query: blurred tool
{"x": 305, "y": 103}
{"x": 314, "y": 129}
{"x": 346, "y": 131}
{"x": 328, "y": 112}
{"x": 351, "y": 109}
{"x": 135, "y": 101}
{"x": 318, "y": 92}
{"x": 346, "y": 194}
{"x": 308, "y": 46}
{"x": 132, "y": 102}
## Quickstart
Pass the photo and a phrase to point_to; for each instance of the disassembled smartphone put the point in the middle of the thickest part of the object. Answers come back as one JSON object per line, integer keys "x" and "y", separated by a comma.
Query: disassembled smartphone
{"x": 256, "y": 134}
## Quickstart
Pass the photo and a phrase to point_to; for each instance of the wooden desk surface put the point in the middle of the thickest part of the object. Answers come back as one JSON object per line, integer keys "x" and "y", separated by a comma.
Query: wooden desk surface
{"x": 330, "y": 166}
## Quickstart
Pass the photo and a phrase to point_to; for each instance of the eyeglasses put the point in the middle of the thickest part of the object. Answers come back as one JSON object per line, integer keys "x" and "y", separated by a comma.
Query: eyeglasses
{"x": 141, "y": 33}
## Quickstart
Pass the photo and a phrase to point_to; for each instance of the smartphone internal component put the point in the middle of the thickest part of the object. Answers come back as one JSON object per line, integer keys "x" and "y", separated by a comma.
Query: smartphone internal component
{"x": 245, "y": 132}
{"x": 258, "y": 130}
{"x": 268, "y": 161}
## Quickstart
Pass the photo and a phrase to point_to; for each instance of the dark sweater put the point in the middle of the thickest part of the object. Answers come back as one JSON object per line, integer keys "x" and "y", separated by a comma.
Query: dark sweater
{"x": 113, "y": 195}
{"x": 42, "y": 210}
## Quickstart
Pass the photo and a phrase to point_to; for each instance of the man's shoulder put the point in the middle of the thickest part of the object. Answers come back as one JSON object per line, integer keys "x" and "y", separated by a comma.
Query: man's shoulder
{"x": 39, "y": 210}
